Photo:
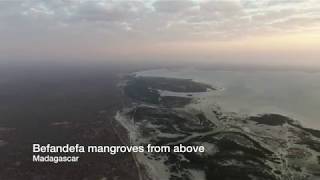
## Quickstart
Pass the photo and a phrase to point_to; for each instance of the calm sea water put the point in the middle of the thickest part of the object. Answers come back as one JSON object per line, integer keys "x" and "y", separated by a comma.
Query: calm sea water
{"x": 291, "y": 93}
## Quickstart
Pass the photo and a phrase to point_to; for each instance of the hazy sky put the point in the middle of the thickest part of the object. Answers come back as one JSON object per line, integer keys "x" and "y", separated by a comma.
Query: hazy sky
{"x": 277, "y": 32}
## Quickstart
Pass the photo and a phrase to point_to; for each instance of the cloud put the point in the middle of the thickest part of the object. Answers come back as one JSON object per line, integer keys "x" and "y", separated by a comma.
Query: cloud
{"x": 222, "y": 8}
{"x": 172, "y": 6}
{"x": 107, "y": 23}
{"x": 106, "y": 11}
{"x": 162, "y": 16}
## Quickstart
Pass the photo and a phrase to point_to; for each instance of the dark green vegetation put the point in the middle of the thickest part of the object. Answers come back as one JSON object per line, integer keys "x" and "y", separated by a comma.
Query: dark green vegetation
{"x": 233, "y": 160}
{"x": 145, "y": 89}
{"x": 236, "y": 155}
{"x": 170, "y": 84}
{"x": 279, "y": 120}
{"x": 170, "y": 121}
{"x": 314, "y": 132}
{"x": 271, "y": 119}
{"x": 237, "y": 148}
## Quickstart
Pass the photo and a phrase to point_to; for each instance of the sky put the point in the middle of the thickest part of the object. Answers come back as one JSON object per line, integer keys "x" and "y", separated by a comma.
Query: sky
{"x": 264, "y": 32}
